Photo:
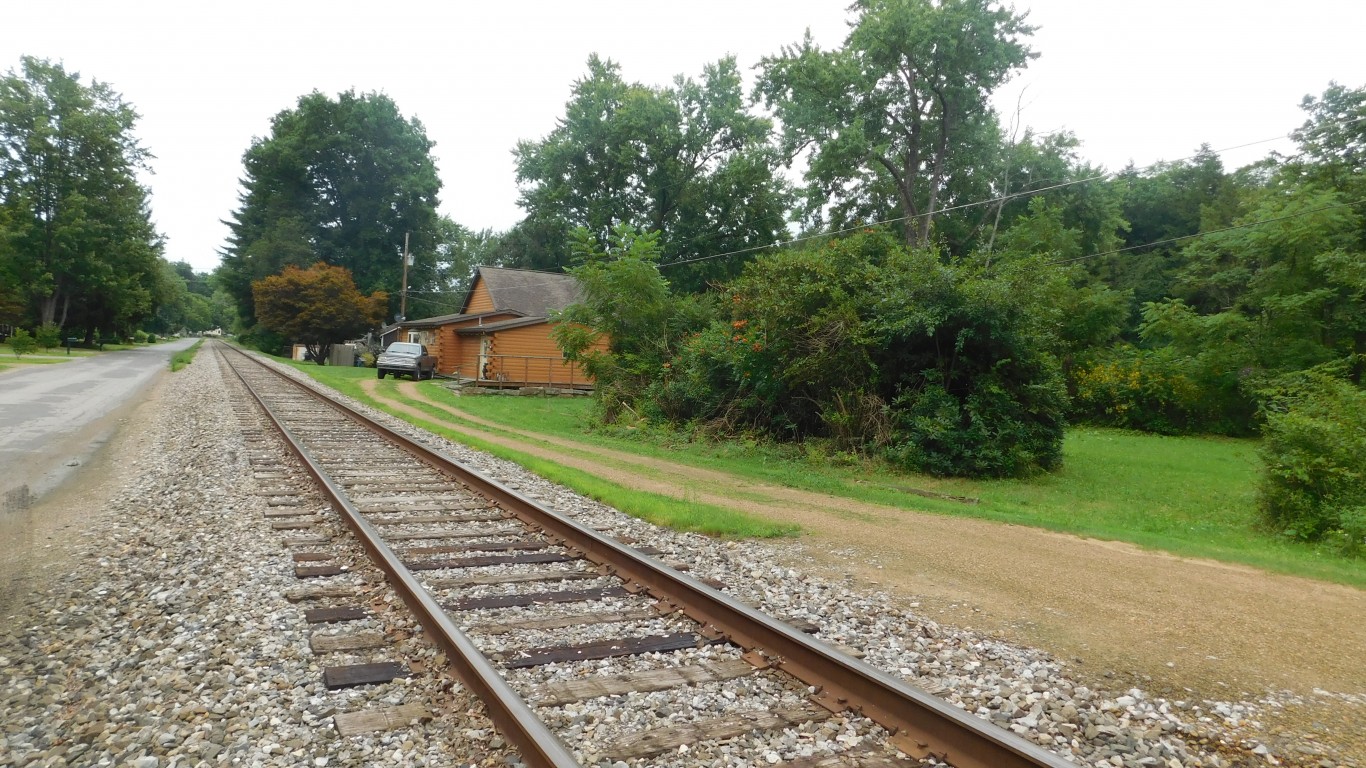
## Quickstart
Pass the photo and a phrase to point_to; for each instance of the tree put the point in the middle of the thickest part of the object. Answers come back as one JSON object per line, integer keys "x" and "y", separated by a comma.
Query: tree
{"x": 687, "y": 161}
{"x": 338, "y": 181}
{"x": 316, "y": 307}
{"x": 183, "y": 301}
{"x": 627, "y": 300}
{"x": 1333, "y": 144}
{"x": 1296, "y": 269}
{"x": 459, "y": 251}
{"x": 1167, "y": 202}
{"x": 21, "y": 343}
{"x": 77, "y": 231}
{"x": 895, "y": 120}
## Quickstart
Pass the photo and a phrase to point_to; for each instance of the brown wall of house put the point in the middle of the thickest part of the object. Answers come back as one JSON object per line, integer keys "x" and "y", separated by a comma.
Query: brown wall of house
{"x": 480, "y": 300}
{"x": 529, "y": 355}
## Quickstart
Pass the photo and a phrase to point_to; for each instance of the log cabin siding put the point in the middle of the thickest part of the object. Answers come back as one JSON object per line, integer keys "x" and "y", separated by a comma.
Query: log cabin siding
{"x": 529, "y": 355}
{"x": 480, "y": 299}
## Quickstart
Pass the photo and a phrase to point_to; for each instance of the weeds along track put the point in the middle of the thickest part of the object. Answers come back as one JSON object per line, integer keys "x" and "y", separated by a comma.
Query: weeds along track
{"x": 538, "y": 613}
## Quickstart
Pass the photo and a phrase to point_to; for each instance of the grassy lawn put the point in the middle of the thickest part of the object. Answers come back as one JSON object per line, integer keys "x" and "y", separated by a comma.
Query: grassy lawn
{"x": 1189, "y": 496}
{"x": 40, "y": 355}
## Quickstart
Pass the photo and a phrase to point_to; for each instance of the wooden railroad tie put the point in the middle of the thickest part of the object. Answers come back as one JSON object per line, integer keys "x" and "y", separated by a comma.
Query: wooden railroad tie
{"x": 525, "y": 545}
{"x": 535, "y": 598}
{"x": 299, "y": 511}
{"x": 453, "y": 582}
{"x": 426, "y": 519}
{"x": 486, "y": 560}
{"x": 363, "y": 486}
{"x": 558, "y": 694}
{"x": 386, "y": 719}
{"x": 352, "y": 675}
{"x": 295, "y": 525}
{"x": 318, "y": 571}
{"x": 603, "y": 649}
{"x": 310, "y": 557}
{"x": 319, "y": 592}
{"x": 382, "y": 508}
{"x": 335, "y": 614}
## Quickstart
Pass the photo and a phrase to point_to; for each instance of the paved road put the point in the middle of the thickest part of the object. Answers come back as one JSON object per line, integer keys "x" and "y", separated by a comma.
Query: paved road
{"x": 54, "y": 417}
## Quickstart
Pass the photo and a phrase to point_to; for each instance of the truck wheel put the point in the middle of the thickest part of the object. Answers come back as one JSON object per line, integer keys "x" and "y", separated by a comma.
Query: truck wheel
{"x": 380, "y": 373}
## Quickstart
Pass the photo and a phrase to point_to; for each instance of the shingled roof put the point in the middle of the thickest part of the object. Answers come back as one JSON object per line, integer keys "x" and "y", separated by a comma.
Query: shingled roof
{"x": 532, "y": 294}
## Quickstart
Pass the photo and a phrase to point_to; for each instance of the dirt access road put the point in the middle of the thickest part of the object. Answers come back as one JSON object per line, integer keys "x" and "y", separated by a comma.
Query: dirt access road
{"x": 1185, "y": 628}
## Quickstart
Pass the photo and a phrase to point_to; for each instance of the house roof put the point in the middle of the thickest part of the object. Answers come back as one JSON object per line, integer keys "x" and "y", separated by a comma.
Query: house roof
{"x": 432, "y": 322}
{"x": 501, "y": 325}
{"x": 527, "y": 293}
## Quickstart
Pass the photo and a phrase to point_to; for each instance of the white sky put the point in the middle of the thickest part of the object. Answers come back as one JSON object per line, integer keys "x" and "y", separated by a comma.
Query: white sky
{"x": 1140, "y": 81}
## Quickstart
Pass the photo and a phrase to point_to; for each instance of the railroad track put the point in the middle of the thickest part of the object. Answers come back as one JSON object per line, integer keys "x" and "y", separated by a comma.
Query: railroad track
{"x": 529, "y": 605}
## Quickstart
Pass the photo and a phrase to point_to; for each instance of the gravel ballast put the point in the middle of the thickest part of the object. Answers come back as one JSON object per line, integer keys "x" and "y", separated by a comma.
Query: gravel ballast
{"x": 169, "y": 640}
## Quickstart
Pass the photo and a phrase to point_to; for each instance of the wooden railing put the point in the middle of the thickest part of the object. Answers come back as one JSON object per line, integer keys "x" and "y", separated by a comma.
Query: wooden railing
{"x": 530, "y": 371}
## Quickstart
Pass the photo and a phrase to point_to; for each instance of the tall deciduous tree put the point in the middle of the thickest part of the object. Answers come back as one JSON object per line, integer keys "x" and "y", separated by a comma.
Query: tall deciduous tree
{"x": 1163, "y": 203}
{"x": 77, "y": 233}
{"x": 339, "y": 181}
{"x": 316, "y": 307}
{"x": 687, "y": 161}
{"x": 895, "y": 118}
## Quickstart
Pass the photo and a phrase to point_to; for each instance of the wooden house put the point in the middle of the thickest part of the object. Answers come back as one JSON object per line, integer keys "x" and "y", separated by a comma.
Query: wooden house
{"x": 502, "y": 334}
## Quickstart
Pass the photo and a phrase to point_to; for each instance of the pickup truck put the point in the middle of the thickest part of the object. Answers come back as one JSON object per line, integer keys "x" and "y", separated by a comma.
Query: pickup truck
{"x": 406, "y": 357}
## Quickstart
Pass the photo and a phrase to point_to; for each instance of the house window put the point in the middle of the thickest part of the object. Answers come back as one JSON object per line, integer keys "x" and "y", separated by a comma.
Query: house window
{"x": 414, "y": 337}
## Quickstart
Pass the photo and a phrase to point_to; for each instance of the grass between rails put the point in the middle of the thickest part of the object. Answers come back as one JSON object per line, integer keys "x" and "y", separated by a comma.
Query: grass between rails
{"x": 1188, "y": 496}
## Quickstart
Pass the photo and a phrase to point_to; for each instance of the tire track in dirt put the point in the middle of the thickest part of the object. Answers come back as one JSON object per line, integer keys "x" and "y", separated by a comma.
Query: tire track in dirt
{"x": 1213, "y": 628}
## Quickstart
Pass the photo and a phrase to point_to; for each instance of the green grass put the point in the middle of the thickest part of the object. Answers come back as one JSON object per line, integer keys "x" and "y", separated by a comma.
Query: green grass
{"x": 40, "y": 356}
{"x": 185, "y": 356}
{"x": 1191, "y": 496}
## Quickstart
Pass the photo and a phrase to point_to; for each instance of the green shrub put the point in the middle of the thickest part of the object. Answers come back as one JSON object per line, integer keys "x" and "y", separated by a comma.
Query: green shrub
{"x": 22, "y": 343}
{"x": 1314, "y": 449}
{"x": 1194, "y": 375}
{"x": 48, "y": 335}
{"x": 941, "y": 369}
{"x": 151, "y": 338}
{"x": 139, "y": 337}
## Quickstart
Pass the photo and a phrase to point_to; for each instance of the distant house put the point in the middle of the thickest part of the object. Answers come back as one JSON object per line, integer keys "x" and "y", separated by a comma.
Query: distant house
{"x": 502, "y": 334}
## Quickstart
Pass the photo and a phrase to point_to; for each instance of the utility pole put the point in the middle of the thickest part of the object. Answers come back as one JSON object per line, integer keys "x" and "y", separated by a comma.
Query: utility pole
{"x": 403, "y": 294}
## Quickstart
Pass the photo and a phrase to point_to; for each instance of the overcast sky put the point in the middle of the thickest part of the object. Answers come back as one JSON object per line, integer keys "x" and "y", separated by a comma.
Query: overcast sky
{"x": 1137, "y": 82}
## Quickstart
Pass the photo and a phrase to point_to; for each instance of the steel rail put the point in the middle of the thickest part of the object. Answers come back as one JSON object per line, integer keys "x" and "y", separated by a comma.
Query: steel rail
{"x": 539, "y": 747}
{"x": 921, "y": 725}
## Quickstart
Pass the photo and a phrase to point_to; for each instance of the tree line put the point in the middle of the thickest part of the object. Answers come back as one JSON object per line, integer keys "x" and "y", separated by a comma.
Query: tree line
{"x": 79, "y": 255}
